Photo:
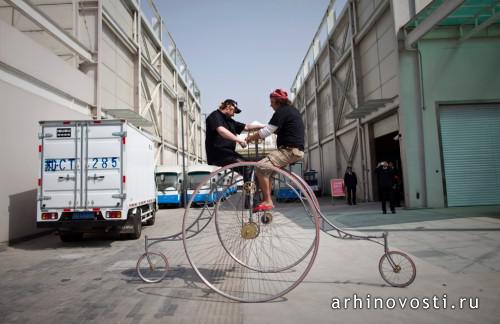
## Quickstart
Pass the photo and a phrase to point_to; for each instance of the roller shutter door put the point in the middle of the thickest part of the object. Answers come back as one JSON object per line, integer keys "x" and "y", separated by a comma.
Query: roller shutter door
{"x": 470, "y": 142}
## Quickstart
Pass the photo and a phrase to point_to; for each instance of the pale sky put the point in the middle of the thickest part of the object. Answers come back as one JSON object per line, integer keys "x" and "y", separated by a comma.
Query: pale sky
{"x": 242, "y": 49}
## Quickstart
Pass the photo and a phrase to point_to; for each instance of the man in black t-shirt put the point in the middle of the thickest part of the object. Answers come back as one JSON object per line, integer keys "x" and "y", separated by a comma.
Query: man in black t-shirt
{"x": 221, "y": 139}
{"x": 287, "y": 123}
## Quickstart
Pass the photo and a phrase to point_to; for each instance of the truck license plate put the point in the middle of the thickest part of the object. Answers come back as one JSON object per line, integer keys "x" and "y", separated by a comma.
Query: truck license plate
{"x": 83, "y": 215}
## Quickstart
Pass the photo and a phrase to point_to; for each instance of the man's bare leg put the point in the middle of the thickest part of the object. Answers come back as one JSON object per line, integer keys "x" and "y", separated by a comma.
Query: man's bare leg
{"x": 265, "y": 186}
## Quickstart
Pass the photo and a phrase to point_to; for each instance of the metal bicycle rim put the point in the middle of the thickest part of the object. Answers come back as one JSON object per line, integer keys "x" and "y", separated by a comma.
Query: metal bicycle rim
{"x": 234, "y": 280}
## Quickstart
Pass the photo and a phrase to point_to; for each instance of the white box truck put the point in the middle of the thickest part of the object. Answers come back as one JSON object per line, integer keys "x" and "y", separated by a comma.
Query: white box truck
{"x": 95, "y": 175}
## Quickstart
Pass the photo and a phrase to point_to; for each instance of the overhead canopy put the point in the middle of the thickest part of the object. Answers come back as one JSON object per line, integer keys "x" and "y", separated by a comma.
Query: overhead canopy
{"x": 476, "y": 15}
{"x": 130, "y": 116}
{"x": 368, "y": 107}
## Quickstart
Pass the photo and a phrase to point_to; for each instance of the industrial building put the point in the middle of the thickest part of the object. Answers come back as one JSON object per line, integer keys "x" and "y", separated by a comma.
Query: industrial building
{"x": 71, "y": 60}
{"x": 412, "y": 82}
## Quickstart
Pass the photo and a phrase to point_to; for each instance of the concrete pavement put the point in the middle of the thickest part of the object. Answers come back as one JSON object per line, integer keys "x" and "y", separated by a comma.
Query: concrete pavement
{"x": 459, "y": 239}
{"x": 457, "y": 256}
{"x": 456, "y": 251}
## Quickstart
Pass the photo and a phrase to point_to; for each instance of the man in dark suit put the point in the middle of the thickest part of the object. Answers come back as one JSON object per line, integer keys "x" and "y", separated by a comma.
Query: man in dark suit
{"x": 386, "y": 182}
{"x": 350, "y": 182}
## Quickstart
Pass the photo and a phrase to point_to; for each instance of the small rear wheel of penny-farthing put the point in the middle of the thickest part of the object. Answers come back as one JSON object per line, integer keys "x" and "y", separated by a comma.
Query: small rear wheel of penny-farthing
{"x": 247, "y": 256}
{"x": 152, "y": 267}
{"x": 397, "y": 269}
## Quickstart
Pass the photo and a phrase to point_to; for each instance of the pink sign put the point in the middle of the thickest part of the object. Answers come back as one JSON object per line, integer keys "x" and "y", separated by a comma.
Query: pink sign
{"x": 337, "y": 187}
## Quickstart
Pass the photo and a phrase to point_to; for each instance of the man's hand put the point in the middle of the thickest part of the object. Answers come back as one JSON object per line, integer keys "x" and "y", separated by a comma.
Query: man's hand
{"x": 243, "y": 143}
{"x": 250, "y": 138}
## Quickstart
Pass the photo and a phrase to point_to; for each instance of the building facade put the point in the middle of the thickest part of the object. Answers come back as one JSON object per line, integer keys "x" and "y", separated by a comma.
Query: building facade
{"x": 103, "y": 59}
{"x": 414, "y": 83}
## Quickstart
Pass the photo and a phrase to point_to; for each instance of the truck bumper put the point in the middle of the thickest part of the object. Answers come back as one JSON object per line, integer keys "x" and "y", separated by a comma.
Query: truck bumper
{"x": 83, "y": 225}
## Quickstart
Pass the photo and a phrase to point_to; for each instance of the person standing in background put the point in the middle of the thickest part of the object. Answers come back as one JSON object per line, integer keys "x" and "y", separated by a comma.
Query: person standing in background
{"x": 350, "y": 182}
{"x": 386, "y": 182}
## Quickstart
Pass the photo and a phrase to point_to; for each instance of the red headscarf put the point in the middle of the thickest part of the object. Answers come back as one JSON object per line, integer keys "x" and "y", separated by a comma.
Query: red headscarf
{"x": 279, "y": 94}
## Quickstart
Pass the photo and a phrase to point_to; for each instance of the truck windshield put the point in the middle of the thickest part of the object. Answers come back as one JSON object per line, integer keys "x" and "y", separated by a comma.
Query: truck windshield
{"x": 195, "y": 179}
{"x": 166, "y": 181}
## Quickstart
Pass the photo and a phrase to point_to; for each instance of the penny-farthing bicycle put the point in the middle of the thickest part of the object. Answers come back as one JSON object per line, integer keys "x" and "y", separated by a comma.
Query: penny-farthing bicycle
{"x": 257, "y": 257}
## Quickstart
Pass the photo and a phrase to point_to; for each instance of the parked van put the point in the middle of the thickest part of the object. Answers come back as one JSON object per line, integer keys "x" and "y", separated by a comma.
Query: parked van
{"x": 95, "y": 175}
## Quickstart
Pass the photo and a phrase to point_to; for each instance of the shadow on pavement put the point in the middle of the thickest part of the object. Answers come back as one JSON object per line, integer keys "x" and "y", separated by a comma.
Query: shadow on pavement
{"x": 169, "y": 286}
{"x": 52, "y": 241}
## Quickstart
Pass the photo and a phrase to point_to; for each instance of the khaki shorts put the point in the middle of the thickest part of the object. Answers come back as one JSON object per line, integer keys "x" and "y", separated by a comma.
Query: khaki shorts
{"x": 279, "y": 158}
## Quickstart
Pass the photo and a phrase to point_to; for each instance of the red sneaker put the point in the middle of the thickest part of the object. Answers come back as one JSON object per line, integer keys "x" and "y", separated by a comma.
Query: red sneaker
{"x": 262, "y": 208}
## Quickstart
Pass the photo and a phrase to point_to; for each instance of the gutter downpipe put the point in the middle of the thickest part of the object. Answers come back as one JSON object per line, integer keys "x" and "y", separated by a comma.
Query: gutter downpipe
{"x": 99, "y": 61}
{"x": 422, "y": 195}
{"x": 359, "y": 126}
{"x": 181, "y": 102}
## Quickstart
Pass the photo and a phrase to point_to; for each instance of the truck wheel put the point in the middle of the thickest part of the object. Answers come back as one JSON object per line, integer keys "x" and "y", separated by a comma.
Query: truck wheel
{"x": 152, "y": 220}
{"x": 67, "y": 236}
{"x": 137, "y": 225}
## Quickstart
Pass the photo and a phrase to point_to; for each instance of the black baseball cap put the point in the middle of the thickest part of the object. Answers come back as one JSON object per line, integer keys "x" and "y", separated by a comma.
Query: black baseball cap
{"x": 232, "y": 103}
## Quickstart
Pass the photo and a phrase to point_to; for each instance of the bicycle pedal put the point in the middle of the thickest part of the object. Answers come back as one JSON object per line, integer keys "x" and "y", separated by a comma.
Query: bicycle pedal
{"x": 267, "y": 218}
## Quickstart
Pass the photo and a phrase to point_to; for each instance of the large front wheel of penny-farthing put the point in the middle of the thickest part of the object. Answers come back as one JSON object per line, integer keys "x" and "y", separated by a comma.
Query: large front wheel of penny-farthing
{"x": 246, "y": 256}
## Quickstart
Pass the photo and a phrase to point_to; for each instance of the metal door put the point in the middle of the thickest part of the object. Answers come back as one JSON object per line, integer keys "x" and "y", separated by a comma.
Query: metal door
{"x": 471, "y": 154}
{"x": 61, "y": 165}
{"x": 103, "y": 185}
{"x": 81, "y": 165}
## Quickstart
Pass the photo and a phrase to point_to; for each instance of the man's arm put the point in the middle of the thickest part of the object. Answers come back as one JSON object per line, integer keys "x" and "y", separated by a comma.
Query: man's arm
{"x": 249, "y": 127}
{"x": 262, "y": 133}
{"x": 225, "y": 133}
